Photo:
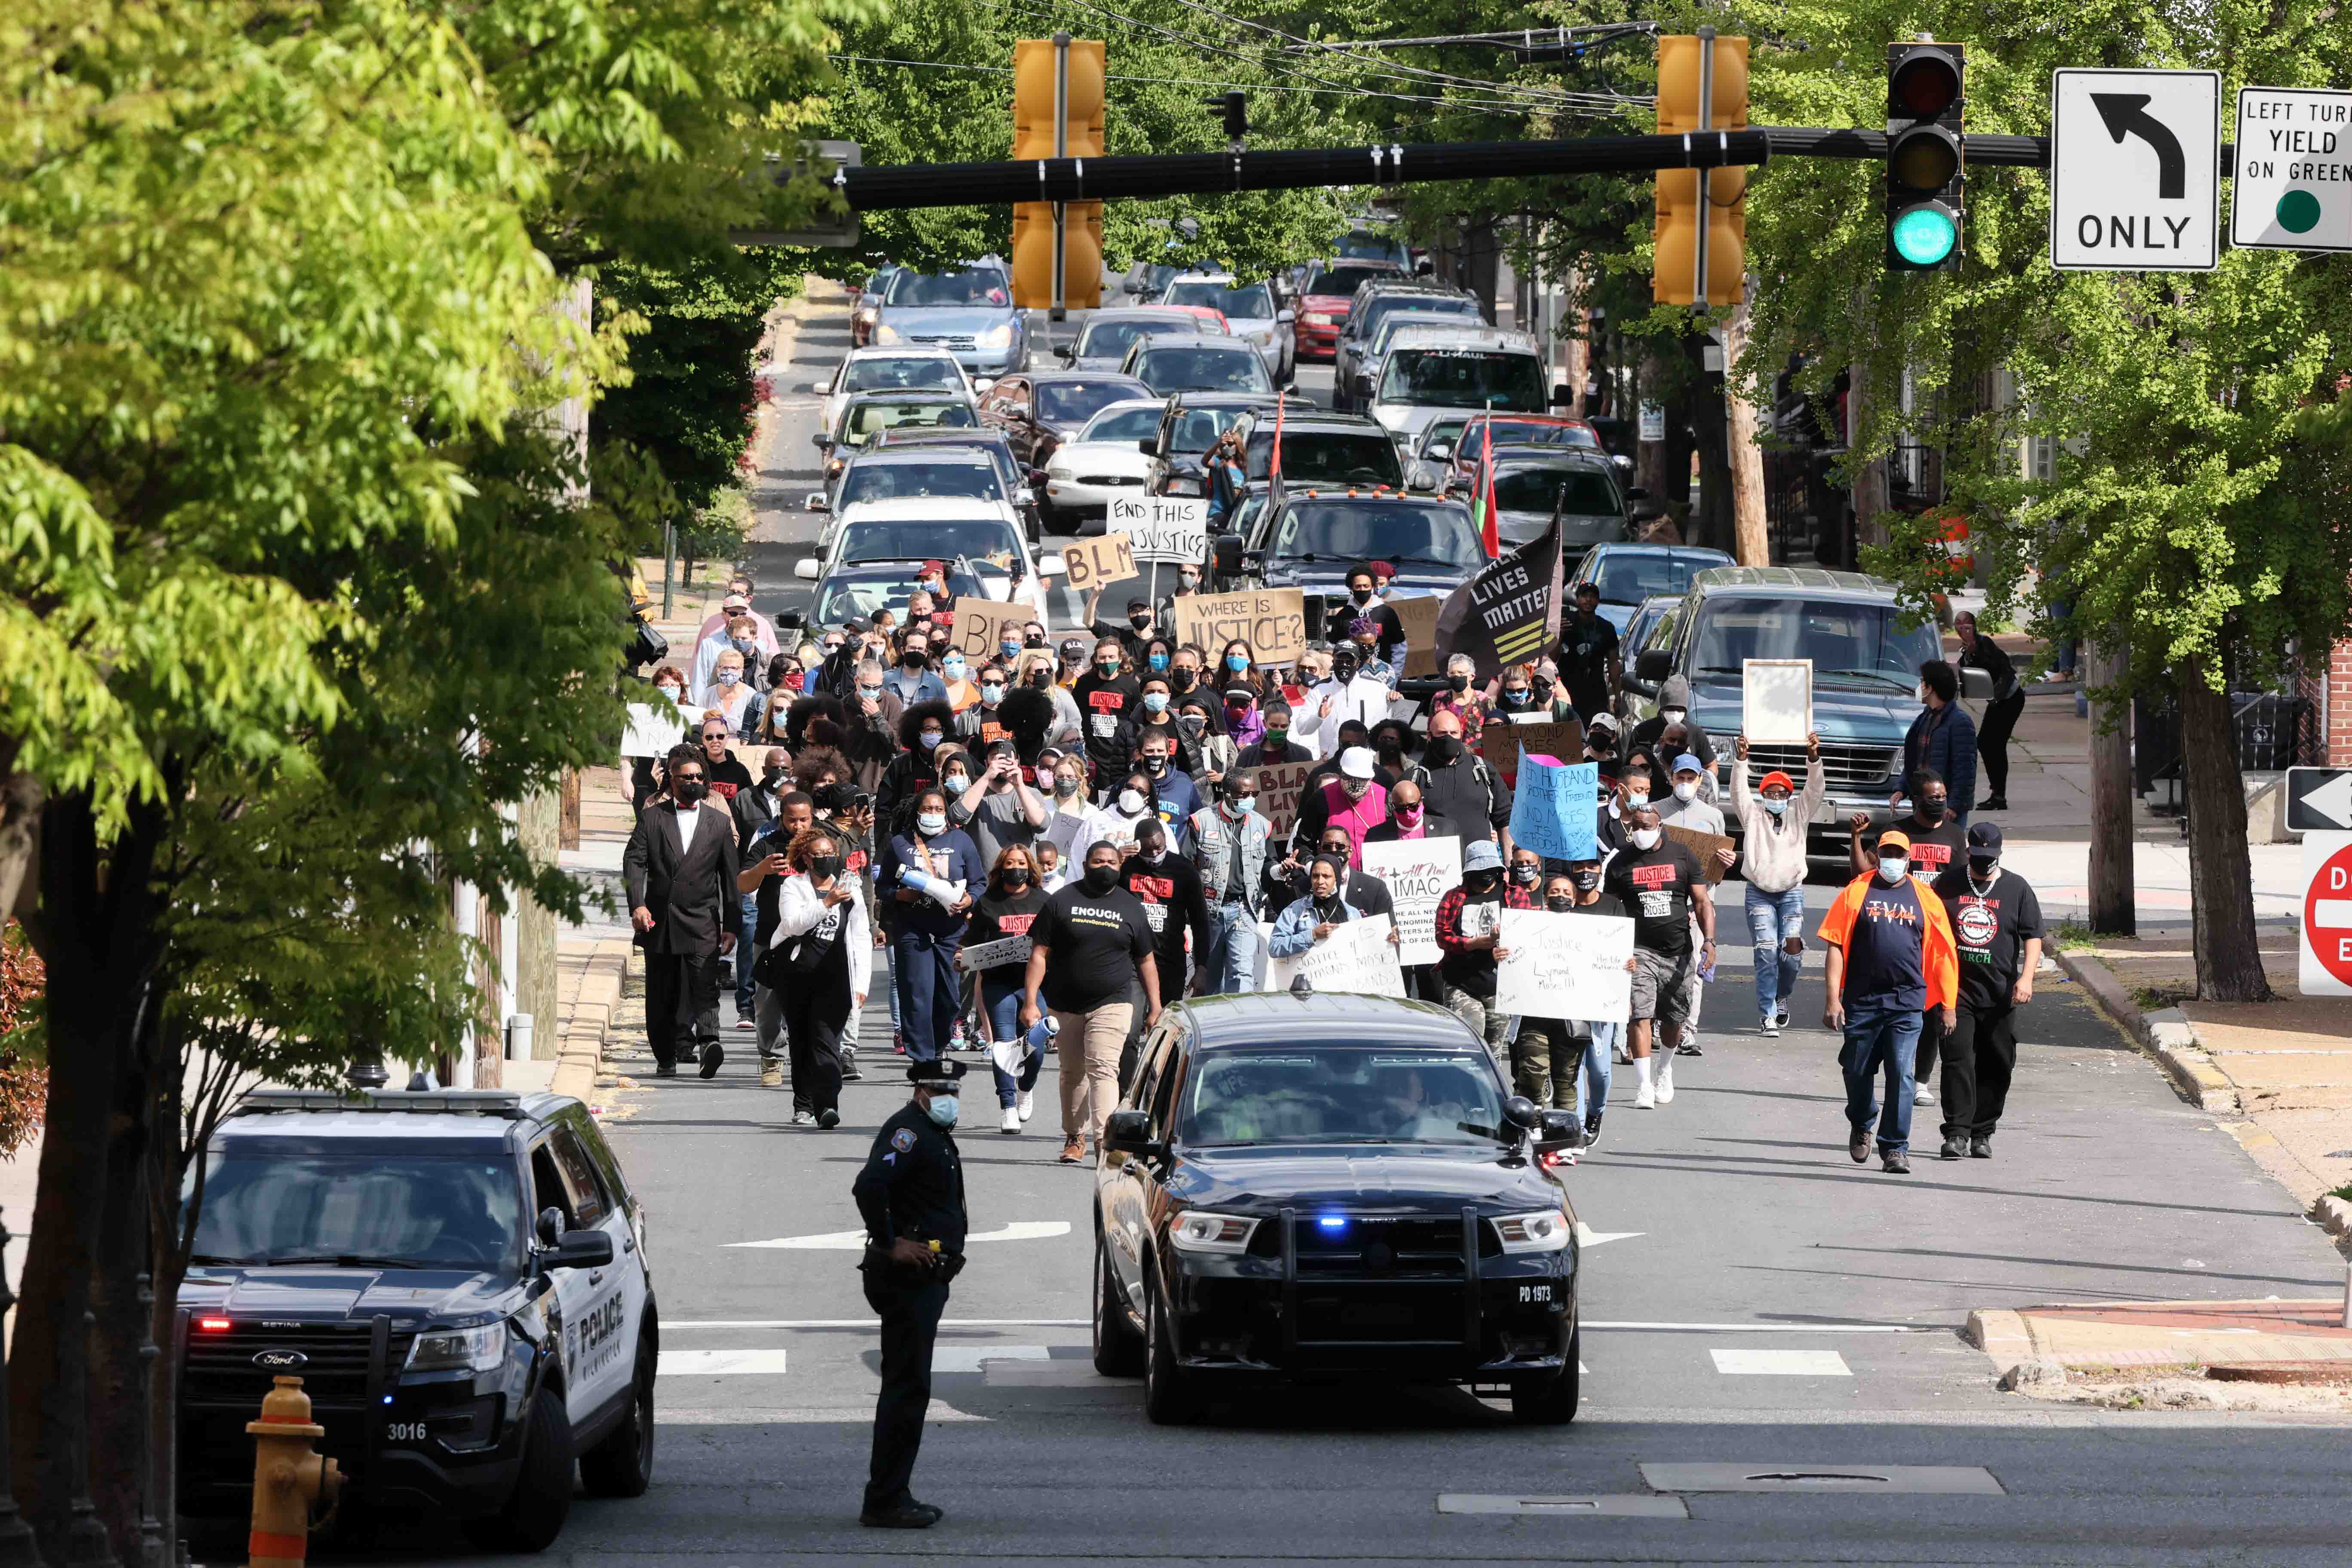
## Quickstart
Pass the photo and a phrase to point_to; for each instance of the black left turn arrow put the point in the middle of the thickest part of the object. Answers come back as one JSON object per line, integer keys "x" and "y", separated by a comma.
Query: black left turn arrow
{"x": 2125, "y": 115}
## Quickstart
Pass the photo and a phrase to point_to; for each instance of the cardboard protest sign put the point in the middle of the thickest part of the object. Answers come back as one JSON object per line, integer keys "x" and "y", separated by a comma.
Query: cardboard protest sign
{"x": 1703, "y": 846}
{"x": 1419, "y": 872}
{"x": 1418, "y": 615}
{"x": 1356, "y": 958}
{"x": 978, "y": 623}
{"x": 1278, "y": 785}
{"x": 1565, "y": 966}
{"x": 1091, "y": 562}
{"x": 1562, "y": 743}
{"x": 1171, "y": 528}
{"x": 989, "y": 954}
{"x": 654, "y": 729}
{"x": 1775, "y": 705}
{"x": 1066, "y": 831}
{"x": 1273, "y": 621}
{"x": 1554, "y": 810}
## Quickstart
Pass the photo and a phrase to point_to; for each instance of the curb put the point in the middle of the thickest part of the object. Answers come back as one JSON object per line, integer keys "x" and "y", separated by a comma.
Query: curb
{"x": 2166, "y": 1034}
{"x": 2000, "y": 1334}
{"x": 2333, "y": 1216}
{"x": 587, "y": 1025}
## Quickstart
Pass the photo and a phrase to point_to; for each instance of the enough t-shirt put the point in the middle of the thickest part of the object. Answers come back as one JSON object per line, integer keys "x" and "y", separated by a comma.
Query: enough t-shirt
{"x": 1655, "y": 886}
{"x": 1991, "y": 931}
{"x": 1098, "y": 943}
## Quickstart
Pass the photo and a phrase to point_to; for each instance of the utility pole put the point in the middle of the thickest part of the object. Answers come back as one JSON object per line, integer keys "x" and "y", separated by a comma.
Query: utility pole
{"x": 2106, "y": 668}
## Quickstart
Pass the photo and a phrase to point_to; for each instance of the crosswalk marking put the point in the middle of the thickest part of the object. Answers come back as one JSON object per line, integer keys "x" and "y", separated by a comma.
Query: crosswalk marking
{"x": 721, "y": 1363}
{"x": 968, "y": 1358}
{"x": 1781, "y": 1364}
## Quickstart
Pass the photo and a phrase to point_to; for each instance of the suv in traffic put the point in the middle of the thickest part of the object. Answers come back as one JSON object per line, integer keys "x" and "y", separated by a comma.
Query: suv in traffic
{"x": 1431, "y": 371}
{"x": 459, "y": 1278}
{"x": 1866, "y": 660}
{"x": 1375, "y": 301}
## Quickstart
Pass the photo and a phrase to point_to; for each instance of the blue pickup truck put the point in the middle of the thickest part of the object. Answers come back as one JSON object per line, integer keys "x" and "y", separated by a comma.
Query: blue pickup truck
{"x": 1865, "y": 676}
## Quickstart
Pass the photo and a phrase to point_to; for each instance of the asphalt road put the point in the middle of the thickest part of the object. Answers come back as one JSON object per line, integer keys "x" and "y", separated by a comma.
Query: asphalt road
{"x": 1751, "y": 1299}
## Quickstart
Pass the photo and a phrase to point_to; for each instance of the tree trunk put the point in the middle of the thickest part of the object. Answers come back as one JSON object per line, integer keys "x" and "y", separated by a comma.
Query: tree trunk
{"x": 1674, "y": 479}
{"x": 1711, "y": 518}
{"x": 2220, "y": 871}
{"x": 1482, "y": 261}
{"x": 96, "y": 934}
{"x": 2113, "y": 906}
{"x": 1751, "y": 544}
{"x": 1871, "y": 496}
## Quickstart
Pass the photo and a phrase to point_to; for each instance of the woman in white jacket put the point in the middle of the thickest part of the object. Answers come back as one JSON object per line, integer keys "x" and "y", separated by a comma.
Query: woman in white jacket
{"x": 819, "y": 964}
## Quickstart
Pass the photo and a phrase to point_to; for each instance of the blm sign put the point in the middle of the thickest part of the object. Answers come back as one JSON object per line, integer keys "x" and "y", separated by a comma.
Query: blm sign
{"x": 1509, "y": 612}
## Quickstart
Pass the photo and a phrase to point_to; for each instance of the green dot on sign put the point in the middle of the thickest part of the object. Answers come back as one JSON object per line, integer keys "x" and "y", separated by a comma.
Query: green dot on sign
{"x": 2298, "y": 212}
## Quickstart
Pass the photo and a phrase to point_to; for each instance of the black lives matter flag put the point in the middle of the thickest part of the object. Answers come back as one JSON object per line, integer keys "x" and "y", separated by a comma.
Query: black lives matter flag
{"x": 1509, "y": 613}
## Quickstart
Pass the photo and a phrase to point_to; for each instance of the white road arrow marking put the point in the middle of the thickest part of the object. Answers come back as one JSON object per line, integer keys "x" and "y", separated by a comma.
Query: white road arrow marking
{"x": 853, "y": 1240}
{"x": 2332, "y": 799}
{"x": 1588, "y": 1237}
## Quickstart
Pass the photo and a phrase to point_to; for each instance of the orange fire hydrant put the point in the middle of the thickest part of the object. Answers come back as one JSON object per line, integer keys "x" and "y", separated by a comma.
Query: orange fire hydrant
{"x": 288, "y": 1476}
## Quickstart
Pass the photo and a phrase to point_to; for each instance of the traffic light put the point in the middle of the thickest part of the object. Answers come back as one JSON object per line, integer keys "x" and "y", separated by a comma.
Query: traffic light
{"x": 1234, "y": 109}
{"x": 1926, "y": 154}
{"x": 1034, "y": 123}
{"x": 1674, "y": 273}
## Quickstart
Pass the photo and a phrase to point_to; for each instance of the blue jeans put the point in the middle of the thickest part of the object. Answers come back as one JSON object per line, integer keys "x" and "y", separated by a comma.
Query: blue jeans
{"x": 1880, "y": 1037}
{"x": 1773, "y": 919}
{"x": 1593, "y": 1083}
{"x": 1002, "y": 1005}
{"x": 930, "y": 989}
{"x": 743, "y": 983}
{"x": 1231, "y": 963}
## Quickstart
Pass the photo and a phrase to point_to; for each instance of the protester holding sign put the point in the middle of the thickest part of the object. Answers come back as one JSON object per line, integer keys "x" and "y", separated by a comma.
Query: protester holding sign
{"x": 1008, "y": 908}
{"x": 1313, "y": 918}
{"x": 1562, "y": 1063}
{"x": 1469, "y": 927}
{"x": 1659, "y": 880}
{"x": 1774, "y": 823}
{"x": 1601, "y": 1034}
{"x": 1419, "y": 872}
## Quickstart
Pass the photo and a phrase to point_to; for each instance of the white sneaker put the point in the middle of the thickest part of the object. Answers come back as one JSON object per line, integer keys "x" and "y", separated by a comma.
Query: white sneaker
{"x": 1665, "y": 1079}
{"x": 1645, "y": 1099}
{"x": 1027, "y": 1106}
{"x": 1010, "y": 1122}
{"x": 1923, "y": 1095}
{"x": 1772, "y": 1030}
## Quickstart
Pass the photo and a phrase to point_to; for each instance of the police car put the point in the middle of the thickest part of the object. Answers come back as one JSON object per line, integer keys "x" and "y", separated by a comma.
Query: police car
{"x": 459, "y": 1278}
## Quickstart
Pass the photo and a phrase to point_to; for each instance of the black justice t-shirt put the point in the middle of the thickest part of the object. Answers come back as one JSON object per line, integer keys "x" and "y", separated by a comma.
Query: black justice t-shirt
{"x": 1098, "y": 941}
{"x": 1991, "y": 930}
{"x": 1934, "y": 850}
{"x": 1655, "y": 886}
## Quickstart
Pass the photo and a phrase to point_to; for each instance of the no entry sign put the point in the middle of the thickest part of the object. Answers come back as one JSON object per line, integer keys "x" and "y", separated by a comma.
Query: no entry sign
{"x": 2325, "y": 967}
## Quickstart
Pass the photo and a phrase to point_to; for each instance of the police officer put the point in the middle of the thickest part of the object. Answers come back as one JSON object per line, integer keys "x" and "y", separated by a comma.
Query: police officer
{"x": 912, "y": 1196}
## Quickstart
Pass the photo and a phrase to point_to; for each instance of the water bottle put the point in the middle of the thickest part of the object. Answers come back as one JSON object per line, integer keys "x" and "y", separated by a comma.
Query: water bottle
{"x": 1042, "y": 1033}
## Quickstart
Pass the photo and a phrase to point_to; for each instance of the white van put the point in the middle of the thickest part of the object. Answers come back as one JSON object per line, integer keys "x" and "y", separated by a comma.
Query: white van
{"x": 1436, "y": 373}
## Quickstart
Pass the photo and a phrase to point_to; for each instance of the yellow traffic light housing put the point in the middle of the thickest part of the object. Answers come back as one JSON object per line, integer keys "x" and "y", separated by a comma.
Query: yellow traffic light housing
{"x": 1068, "y": 124}
{"x": 1684, "y": 77}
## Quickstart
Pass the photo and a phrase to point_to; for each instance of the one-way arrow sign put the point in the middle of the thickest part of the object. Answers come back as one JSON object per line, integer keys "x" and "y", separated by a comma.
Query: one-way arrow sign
{"x": 2318, "y": 800}
{"x": 2135, "y": 182}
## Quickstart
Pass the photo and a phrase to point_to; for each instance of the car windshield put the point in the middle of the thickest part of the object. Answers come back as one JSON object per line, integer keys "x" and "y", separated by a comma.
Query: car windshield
{"x": 912, "y": 374}
{"x": 437, "y": 1212}
{"x": 1166, "y": 370}
{"x": 1111, "y": 340}
{"x": 1381, "y": 309}
{"x": 1250, "y": 302}
{"x": 973, "y": 286}
{"x": 1342, "y": 1094}
{"x": 1125, "y": 424}
{"x": 1371, "y": 248}
{"x": 1341, "y": 457}
{"x": 1579, "y": 492}
{"x": 1533, "y": 433}
{"x": 1076, "y": 402}
{"x": 982, "y": 540}
{"x": 1458, "y": 378}
{"x": 1345, "y": 280}
{"x": 1435, "y": 536}
{"x": 864, "y": 419}
{"x": 974, "y": 477}
{"x": 1630, "y": 576}
{"x": 1852, "y": 645}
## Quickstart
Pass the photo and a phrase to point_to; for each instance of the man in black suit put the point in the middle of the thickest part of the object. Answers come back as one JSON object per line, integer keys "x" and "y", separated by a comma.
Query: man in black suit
{"x": 679, "y": 868}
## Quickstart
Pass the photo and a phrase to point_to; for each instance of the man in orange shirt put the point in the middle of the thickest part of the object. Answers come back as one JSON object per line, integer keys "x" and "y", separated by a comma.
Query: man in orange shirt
{"x": 1891, "y": 958}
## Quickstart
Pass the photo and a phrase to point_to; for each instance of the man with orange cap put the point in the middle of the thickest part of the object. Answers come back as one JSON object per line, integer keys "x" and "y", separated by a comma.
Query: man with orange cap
{"x": 1891, "y": 958}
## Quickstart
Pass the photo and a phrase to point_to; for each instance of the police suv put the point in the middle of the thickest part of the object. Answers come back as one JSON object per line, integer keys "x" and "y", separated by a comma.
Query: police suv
{"x": 458, "y": 1278}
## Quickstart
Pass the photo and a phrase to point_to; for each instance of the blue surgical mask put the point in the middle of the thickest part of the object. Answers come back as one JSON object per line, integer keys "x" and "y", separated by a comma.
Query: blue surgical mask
{"x": 871, "y": 693}
{"x": 991, "y": 693}
{"x": 1777, "y": 807}
{"x": 941, "y": 1108}
{"x": 952, "y": 668}
{"x": 1159, "y": 661}
{"x": 1155, "y": 701}
{"x": 1892, "y": 868}
{"x": 930, "y": 824}
{"x": 1236, "y": 661}
{"x": 931, "y": 738}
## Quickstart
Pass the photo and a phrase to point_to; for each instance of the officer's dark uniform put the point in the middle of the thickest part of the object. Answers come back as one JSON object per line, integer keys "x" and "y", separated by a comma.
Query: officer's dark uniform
{"x": 911, "y": 1186}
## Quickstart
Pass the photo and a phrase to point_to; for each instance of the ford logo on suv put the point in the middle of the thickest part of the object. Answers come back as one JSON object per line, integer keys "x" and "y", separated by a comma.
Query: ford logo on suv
{"x": 281, "y": 1358}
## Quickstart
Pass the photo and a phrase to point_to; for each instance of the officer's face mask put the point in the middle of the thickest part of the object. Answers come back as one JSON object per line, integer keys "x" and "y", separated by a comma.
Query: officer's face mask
{"x": 941, "y": 1108}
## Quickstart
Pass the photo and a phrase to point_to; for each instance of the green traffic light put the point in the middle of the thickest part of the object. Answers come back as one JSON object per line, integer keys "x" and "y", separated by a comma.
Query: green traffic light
{"x": 1924, "y": 236}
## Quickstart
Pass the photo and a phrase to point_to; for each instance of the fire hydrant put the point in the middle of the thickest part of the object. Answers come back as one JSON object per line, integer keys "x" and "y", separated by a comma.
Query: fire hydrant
{"x": 288, "y": 1476}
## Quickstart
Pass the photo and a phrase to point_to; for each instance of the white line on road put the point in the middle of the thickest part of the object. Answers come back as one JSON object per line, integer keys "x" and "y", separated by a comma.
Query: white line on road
{"x": 1768, "y": 1328}
{"x": 721, "y": 1363}
{"x": 877, "y": 1323}
{"x": 854, "y": 1240}
{"x": 1781, "y": 1364}
{"x": 968, "y": 1358}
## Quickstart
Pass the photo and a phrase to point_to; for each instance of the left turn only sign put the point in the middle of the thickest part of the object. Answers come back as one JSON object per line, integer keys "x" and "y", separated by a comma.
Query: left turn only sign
{"x": 2325, "y": 968}
{"x": 2135, "y": 170}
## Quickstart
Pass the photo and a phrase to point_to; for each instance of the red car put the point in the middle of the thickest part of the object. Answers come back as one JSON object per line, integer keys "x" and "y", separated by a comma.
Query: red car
{"x": 1517, "y": 430}
{"x": 1324, "y": 300}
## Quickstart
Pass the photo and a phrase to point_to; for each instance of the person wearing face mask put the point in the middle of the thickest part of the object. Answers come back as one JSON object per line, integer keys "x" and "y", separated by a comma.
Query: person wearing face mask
{"x": 1034, "y": 672}
{"x": 1364, "y": 601}
{"x": 1459, "y": 785}
{"x": 1131, "y": 636}
{"x": 955, "y": 674}
{"x": 1660, "y": 882}
{"x": 1244, "y": 725}
{"x": 1938, "y": 842}
{"x": 982, "y": 720}
{"x": 1230, "y": 841}
{"x": 1133, "y": 801}
{"x": 924, "y": 933}
{"x": 1324, "y": 908}
{"x": 1469, "y": 926}
{"x": 1585, "y": 897}
{"x": 819, "y": 964}
{"x": 735, "y": 606}
{"x": 1237, "y": 666}
{"x": 732, "y": 698}
{"x": 1601, "y": 743}
{"x": 1169, "y": 887}
{"x": 1998, "y": 934}
{"x": 1105, "y": 694}
{"x": 997, "y": 807}
{"x": 1176, "y": 796}
{"x": 1669, "y": 733}
{"x": 1008, "y": 908}
{"x": 1352, "y": 801}
{"x": 1523, "y": 699}
{"x": 755, "y": 811}
{"x": 1050, "y": 876}
{"x": 1943, "y": 739}
{"x": 913, "y": 680}
{"x": 1891, "y": 958}
{"x": 911, "y": 1195}
{"x": 1461, "y": 696}
{"x": 1589, "y": 656}
{"x": 1203, "y": 750}
{"x": 1069, "y": 821}
{"x": 1410, "y": 818}
{"x": 1346, "y": 696}
{"x": 1548, "y": 1056}
{"x": 739, "y": 637}
{"x": 1274, "y": 746}
{"x": 679, "y": 872}
{"x": 1184, "y": 669}
{"x": 1090, "y": 944}
{"x": 1684, "y": 806}
{"x": 1774, "y": 824}
{"x": 923, "y": 728}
